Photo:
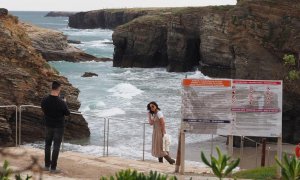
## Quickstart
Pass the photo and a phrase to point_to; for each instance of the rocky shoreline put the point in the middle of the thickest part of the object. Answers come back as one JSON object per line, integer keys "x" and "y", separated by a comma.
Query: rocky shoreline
{"x": 54, "y": 46}
{"x": 25, "y": 78}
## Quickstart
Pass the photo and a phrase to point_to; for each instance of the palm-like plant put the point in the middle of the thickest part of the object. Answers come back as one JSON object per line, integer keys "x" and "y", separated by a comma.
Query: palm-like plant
{"x": 5, "y": 171}
{"x": 222, "y": 166}
{"x": 290, "y": 167}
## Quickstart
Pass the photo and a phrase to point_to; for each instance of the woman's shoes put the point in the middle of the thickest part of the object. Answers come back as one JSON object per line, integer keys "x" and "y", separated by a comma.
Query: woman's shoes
{"x": 161, "y": 159}
{"x": 169, "y": 159}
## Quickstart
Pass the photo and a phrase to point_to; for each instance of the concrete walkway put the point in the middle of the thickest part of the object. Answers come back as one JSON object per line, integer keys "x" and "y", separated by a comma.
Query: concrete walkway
{"x": 82, "y": 166}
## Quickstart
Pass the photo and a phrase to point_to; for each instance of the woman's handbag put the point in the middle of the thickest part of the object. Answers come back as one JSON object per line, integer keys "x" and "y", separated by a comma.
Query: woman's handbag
{"x": 166, "y": 142}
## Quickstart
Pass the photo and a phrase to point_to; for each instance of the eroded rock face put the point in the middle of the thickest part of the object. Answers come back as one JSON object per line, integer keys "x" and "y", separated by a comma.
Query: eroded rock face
{"x": 106, "y": 19}
{"x": 132, "y": 43}
{"x": 246, "y": 41}
{"x": 25, "y": 78}
{"x": 53, "y": 45}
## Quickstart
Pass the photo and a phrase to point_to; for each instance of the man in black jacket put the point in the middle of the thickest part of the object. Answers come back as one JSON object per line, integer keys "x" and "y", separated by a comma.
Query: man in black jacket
{"x": 55, "y": 109}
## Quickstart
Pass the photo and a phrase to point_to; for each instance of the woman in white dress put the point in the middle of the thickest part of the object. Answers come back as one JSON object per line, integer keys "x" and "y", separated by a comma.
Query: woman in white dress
{"x": 156, "y": 118}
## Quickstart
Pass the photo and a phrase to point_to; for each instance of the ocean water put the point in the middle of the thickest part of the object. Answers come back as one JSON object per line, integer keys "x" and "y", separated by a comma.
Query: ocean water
{"x": 121, "y": 94}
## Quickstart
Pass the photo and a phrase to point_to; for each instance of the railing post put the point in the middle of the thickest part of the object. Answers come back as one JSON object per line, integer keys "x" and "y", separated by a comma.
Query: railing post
{"x": 107, "y": 137}
{"x": 263, "y": 153}
{"x": 144, "y": 136}
{"x": 16, "y": 126}
{"x": 211, "y": 144}
{"x": 20, "y": 124}
{"x": 242, "y": 147}
{"x": 104, "y": 131}
{"x": 256, "y": 154}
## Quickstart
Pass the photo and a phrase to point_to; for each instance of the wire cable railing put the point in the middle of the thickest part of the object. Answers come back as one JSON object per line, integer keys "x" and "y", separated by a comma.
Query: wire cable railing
{"x": 16, "y": 116}
{"x": 106, "y": 131}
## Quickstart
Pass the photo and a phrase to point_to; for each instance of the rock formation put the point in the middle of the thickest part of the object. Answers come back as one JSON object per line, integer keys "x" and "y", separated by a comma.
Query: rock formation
{"x": 59, "y": 14}
{"x": 53, "y": 45}
{"x": 89, "y": 74}
{"x": 25, "y": 78}
{"x": 245, "y": 41}
{"x": 106, "y": 19}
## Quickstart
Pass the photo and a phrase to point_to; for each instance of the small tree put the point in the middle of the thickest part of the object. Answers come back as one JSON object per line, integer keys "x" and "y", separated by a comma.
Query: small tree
{"x": 222, "y": 166}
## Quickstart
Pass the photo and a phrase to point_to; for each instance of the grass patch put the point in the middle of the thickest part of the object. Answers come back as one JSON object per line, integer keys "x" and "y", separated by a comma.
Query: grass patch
{"x": 261, "y": 173}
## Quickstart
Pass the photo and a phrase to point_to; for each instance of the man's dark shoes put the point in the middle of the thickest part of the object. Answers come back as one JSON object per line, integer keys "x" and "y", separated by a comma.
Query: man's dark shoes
{"x": 45, "y": 168}
{"x": 55, "y": 171}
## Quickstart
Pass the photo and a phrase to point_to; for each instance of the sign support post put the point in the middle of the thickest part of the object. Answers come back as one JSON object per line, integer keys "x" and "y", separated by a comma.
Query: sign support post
{"x": 178, "y": 157}
{"x": 182, "y": 152}
{"x": 230, "y": 145}
{"x": 279, "y": 155}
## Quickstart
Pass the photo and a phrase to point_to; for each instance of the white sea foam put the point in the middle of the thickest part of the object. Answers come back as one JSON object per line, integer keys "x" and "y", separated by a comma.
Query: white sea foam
{"x": 85, "y": 109}
{"x": 125, "y": 90}
{"x": 198, "y": 74}
{"x": 86, "y": 32}
{"x": 110, "y": 112}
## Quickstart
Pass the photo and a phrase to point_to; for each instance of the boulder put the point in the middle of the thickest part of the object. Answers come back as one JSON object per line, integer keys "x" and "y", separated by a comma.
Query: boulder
{"x": 89, "y": 74}
{"x": 3, "y": 12}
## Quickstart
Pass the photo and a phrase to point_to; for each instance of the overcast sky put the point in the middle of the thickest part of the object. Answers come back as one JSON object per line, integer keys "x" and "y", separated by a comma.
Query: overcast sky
{"x": 84, "y": 5}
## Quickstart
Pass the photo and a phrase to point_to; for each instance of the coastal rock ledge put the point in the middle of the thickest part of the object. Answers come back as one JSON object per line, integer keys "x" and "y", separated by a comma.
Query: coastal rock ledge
{"x": 25, "y": 78}
{"x": 54, "y": 46}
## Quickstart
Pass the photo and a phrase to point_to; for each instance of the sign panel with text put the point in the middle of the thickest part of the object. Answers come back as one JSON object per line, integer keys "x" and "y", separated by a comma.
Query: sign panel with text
{"x": 232, "y": 107}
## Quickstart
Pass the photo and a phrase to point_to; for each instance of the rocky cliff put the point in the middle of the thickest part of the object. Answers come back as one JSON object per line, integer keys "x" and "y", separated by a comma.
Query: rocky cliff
{"x": 106, "y": 19}
{"x": 53, "y": 45}
{"x": 25, "y": 78}
{"x": 245, "y": 41}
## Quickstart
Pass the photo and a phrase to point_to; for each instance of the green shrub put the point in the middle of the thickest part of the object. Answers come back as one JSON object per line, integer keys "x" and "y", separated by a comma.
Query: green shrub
{"x": 222, "y": 166}
{"x": 289, "y": 60}
{"x": 134, "y": 175}
{"x": 291, "y": 72}
{"x": 293, "y": 75}
{"x": 290, "y": 167}
{"x": 5, "y": 172}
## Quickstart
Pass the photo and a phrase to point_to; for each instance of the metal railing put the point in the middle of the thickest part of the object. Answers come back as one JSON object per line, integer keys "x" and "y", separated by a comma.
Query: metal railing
{"x": 16, "y": 108}
{"x": 105, "y": 127}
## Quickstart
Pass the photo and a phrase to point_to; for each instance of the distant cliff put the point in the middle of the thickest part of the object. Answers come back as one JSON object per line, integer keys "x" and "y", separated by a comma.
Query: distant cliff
{"x": 59, "y": 14}
{"x": 25, "y": 78}
{"x": 106, "y": 19}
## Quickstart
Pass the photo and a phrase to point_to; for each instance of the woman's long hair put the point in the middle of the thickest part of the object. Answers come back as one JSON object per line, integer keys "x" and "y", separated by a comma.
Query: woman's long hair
{"x": 149, "y": 108}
